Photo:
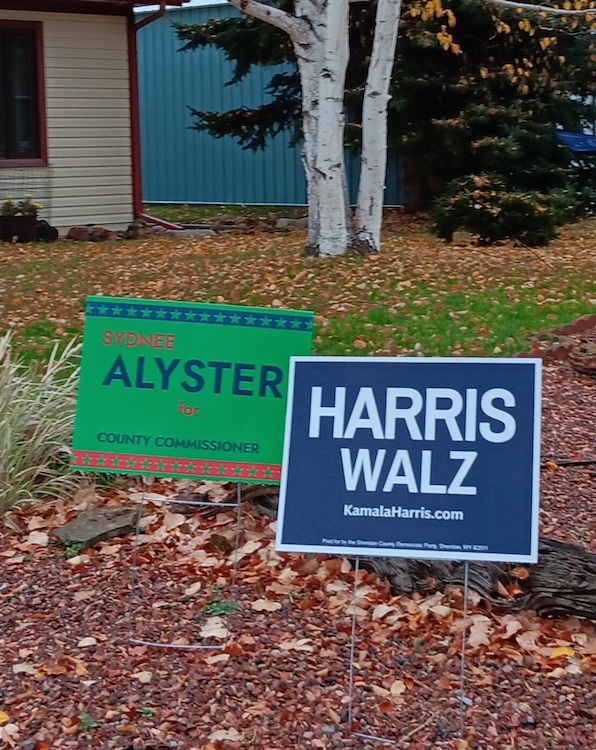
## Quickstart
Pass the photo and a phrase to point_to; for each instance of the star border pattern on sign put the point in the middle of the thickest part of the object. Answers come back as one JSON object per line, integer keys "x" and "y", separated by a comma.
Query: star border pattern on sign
{"x": 269, "y": 319}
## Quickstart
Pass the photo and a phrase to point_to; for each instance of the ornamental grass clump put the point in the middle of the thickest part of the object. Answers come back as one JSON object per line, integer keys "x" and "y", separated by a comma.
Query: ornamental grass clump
{"x": 37, "y": 407}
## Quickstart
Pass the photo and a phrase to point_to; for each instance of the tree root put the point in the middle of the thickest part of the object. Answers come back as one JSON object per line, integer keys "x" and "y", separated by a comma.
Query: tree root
{"x": 561, "y": 583}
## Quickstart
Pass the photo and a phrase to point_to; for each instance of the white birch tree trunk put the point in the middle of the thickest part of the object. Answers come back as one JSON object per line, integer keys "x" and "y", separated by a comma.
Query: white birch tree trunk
{"x": 369, "y": 211}
{"x": 319, "y": 34}
{"x": 335, "y": 235}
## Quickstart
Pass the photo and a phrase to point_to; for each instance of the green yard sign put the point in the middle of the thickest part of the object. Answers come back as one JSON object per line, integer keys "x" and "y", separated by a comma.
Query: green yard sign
{"x": 185, "y": 389}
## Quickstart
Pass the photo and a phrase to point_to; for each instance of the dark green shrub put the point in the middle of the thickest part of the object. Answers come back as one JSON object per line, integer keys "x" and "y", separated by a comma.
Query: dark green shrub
{"x": 586, "y": 201}
{"x": 484, "y": 205}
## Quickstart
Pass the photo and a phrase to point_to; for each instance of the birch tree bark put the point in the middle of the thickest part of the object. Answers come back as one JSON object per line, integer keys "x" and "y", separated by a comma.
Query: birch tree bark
{"x": 318, "y": 30}
{"x": 369, "y": 210}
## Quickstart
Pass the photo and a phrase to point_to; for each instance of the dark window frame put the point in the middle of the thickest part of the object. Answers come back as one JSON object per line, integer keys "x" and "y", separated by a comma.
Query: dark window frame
{"x": 41, "y": 159}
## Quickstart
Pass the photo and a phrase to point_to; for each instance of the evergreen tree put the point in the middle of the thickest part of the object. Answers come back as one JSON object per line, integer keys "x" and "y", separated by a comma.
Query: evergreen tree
{"x": 475, "y": 88}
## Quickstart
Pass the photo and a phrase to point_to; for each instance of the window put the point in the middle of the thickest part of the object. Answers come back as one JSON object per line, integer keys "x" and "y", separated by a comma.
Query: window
{"x": 22, "y": 136}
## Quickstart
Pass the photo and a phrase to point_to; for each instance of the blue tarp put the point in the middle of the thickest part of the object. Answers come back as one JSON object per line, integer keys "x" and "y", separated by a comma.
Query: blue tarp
{"x": 578, "y": 142}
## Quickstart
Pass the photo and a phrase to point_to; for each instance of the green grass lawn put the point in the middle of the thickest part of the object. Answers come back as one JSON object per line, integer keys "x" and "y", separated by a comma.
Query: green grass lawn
{"x": 417, "y": 296}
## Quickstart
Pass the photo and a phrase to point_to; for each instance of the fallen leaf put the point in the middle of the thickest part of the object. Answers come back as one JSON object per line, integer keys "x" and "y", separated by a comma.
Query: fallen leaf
{"x": 81, "y": 668}
{"x": 143, "y": 677}
{"x": 265, "y": 605}
{"x": 4, "y": 717}
{"x": 247, "y": 549}
{"x": 443, "y": 682}
{"x": 36, "y": 522}
{"x": 381, "y": 610}
{"x": 527, "y": 640}
{"x": 380, "y": 691}
{"x": 512, "y": 625}
{"x": 226, "y": 734}
{"x": 479, "y": 630}
{"x": 80, "y": 596}
{"x": 385, "y": 707}
{"x": 23, "y": 668}
{"x": 38, "y": 538}
{"x": 441, "y": 610}
{"x": 397, "y": 687}
{"x": 173, "y": 520}
{"x": 193, "y": 588}
{"x": 9, "y": 733}
{"x": 521, "y": 573}
{"x": 87, "y": 642}
{"x": 557, "y": 653}
{"x": 217, "y": 658}
{"x": 301, "y": 644}
{"x": 214, "y": 628}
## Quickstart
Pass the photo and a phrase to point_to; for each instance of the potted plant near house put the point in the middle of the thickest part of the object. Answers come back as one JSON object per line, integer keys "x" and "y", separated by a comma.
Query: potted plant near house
{"x": 18, "y": 219}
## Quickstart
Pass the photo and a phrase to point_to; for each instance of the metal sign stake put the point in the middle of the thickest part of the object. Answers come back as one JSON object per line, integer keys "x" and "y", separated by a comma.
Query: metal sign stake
{"x": 462, "y": 676}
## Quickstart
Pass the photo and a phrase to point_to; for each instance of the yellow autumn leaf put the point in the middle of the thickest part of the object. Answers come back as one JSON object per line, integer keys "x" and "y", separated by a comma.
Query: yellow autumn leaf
{"x": 81, "y": 668}
{"x": 4, "y": 717}
{"x": 557, "y": 653}
{"x": 484, "y": 72}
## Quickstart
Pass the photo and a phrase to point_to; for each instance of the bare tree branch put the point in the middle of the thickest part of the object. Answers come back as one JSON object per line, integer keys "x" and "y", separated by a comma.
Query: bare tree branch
{"x": 293, "y": 26}
{"x": 543, "y": 8}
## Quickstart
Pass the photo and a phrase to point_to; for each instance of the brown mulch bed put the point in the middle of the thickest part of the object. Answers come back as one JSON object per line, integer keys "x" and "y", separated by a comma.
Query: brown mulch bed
{"x": 72, "y": 679}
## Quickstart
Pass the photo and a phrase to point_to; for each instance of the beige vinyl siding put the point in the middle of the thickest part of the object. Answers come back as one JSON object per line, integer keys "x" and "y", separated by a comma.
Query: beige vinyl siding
{"x": 89, "y": 177}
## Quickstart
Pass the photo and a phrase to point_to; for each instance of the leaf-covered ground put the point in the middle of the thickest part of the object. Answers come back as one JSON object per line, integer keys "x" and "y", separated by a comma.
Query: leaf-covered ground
{"x": 71, "y": 678}
{"x": 417, "y": 296}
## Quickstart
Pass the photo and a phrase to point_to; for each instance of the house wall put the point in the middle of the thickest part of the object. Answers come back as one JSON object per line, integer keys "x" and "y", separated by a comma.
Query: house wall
{"x": 181, "y": 165}
{"x": 89, "y": 176}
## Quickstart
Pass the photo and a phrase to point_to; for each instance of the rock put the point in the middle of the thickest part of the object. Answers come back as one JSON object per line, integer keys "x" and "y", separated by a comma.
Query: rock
{"x": 192, "y": 232}
{"x": 46, "y": 232}
{"x": 101, "y": 234}
{"x": 285, "y": 223}
{"x": 138, "y": 230}
{"x": 97, "y": 525}
{"x": 80, "y": 234}
{"x": 91, "y": 233}
{"x": 582, "y": 357}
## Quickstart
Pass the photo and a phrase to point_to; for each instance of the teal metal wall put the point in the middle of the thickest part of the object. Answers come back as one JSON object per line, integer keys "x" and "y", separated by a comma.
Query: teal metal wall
{"x": 181, "y": 165}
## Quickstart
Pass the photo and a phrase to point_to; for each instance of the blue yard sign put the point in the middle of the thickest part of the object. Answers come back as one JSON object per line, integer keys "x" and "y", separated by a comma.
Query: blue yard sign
{"x": 421, "y": 458}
